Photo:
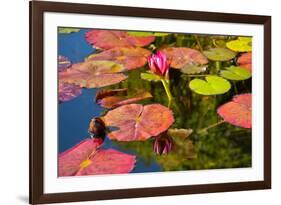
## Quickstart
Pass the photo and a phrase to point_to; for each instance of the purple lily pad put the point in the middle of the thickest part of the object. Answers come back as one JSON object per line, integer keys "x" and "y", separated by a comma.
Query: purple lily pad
{"x": 68, "y": 91}
{"x": 63, "y": 63}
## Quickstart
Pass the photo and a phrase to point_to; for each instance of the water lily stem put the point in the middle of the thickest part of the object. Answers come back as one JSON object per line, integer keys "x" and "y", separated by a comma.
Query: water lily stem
{"x": 211, "y": 126}
{"x": 167, "y": 90}
{"x": 235, "y": 88}
{"x": 198, "y": 43}
{"x": 218, "y": 66}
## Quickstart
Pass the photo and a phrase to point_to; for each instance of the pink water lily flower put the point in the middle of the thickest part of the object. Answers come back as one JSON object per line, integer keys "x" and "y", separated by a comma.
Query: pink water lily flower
{"x": 158, "y": 63}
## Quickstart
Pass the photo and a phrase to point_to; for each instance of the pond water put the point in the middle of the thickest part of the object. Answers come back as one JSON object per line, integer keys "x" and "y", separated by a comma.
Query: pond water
{"x": 221, "y": 146}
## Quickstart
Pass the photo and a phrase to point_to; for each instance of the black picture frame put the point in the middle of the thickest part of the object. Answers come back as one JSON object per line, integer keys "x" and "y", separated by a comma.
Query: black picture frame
{"x": 37, "y": 9}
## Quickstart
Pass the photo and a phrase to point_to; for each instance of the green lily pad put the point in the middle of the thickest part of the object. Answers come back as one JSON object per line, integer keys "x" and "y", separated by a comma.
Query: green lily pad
{"x": 242, "y": 44}
{"x": 213, "y": 85}
{"x": 193, "y": 69}
{"x": 63, "y": 30}
{"x": 151, "y": 77}
{"x": 219, "y": 54}
{"x": 144, "y": 33}
{"x": 235, "y": 73}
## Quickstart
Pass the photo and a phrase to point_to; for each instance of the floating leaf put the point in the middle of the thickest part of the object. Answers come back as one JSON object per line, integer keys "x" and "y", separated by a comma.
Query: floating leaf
{"x": 175, "y": 132}
{"x": 144, "y": 33}
{"x": 219, "y": 54}
{"x": 68, "y": 30}
{"x": 68, "y": 91}
{"x": 93, "y": 74}
{"x": 130, "y": 57}
{"x": 235, "y": 73}
{"x": 137, "y": 122}
{"x": 213, "y": 85}
{"x": 242, "y": 44}
{"x": 245, "y": 61}
{"x": 87, "y": 159}
{"x": 107, "y": 93}
{"x": 106, "y": 39}
{"x": 238, "y": 111}
{"x": 63, "y": 63}
{"x": 193, "y": 69}
{"x": 151, "y": 77}
{"x": 116, "y": 101}
{"x": 181, "y": 56}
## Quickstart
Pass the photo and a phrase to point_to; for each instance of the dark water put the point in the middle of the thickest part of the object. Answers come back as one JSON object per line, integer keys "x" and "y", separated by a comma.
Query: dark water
{"x": 224, "y": 146}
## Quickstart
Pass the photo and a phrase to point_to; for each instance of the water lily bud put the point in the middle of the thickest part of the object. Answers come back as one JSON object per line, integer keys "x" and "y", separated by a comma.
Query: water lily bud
{"x": 163, "y": 144}
{"x": 158, "y": 63}
{"x": 97, "y": 128}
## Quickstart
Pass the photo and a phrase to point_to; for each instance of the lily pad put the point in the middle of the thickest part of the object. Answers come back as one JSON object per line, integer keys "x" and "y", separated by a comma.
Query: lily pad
{"x": 116, "y": 101}
{"x": 107, "y": 93}
{"x": 130, "y": 57}
{"x": 151, "y": 77}
{"x": 193, "y": 69}
{"x": 213, "y": 85}
{"x": 242, "y": 44}
{"x": 144, "y": 33}
{"x": 183, "y": 133}
{"x": 106, "y": 39}
{"x": 68, "y": 91}
{"x": 93, "y": 74}
{"x": 238, "y": 112}
{"x": 63, "y": 30}
{"x": 182, "y": 56}
{"x": 137, "y": 122}
{"x": 219, "y": 54}
{"x": 63, "y": 63}
{"x": 236, "y": 73}
{"x": 245, "y": 61}
{"x": 87, "y": 158}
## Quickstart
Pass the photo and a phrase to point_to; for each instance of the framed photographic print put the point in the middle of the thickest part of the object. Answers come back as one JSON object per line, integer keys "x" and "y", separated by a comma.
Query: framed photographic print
{"x": 135, "y": 102}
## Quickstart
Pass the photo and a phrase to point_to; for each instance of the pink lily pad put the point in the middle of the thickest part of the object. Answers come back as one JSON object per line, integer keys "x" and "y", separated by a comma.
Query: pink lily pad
{"x": 68, "y": 91}
{"x": 87, "y": 158}
{"x": 137, "y": 122}
{"x": 106, "y": 39}
{"x": 245, "y": 61}
{"x": 112, "y": 101}
{"x": 63, "y": 63}
{"x": 182, "y": 56}
{"x": 93, "y": 74}
{"x": 130, "y": 57}
{"x": 238, "y": 112}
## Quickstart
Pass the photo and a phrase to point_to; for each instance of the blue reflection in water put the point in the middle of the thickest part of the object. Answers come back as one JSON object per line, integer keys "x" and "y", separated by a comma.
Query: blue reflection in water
{"x": 74, "y": 116}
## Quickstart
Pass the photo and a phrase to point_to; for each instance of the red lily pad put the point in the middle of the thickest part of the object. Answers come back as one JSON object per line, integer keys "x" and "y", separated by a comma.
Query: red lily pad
{"x": 93, "y": 74}
{"x": 238, "y": 112}
{"x": 63, "y": 63}
{"x": 68, "y": 91}
{"x": 245, "y": 61}
{"x": 106, "y": 39}
{"x": 181, "y": 56}
{"x": 116, "y": 101}
{"x": 87, "y": 158}
{"x": 111, "y": 92}
{"x": 137, "y": 122}
{"x": 130, "y": 57}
